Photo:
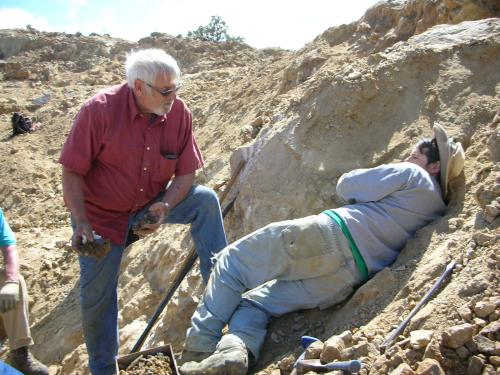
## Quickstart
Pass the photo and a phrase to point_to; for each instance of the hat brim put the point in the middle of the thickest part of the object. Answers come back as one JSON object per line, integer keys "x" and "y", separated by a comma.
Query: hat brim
{"x": 442, "y": 144}
{"x": 451, "y": 154}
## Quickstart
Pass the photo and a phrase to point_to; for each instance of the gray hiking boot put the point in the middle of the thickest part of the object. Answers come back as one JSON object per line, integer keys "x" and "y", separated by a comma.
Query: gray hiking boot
{"x": 230, "y": 358}
{"x": 191, "y": 356}
{"x": 21, "y": 359}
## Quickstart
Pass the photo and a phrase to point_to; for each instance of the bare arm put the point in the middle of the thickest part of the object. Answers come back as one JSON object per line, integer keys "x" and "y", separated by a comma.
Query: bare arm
{"x": 9, "y": 292}
{"x": 175, "y": 193}
{"x": 178, "y": 189}
{"x": 11, "y": 261}
{"x": 73, "y": 196}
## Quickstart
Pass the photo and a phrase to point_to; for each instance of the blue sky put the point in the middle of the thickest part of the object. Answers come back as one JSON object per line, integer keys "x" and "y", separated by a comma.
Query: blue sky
{"x": 262, "y": 23}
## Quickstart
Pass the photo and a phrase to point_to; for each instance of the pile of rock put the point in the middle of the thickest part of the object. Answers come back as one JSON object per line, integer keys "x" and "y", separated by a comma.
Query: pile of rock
{"x": 158, "y": 364}
{"x": 474, "y": 343}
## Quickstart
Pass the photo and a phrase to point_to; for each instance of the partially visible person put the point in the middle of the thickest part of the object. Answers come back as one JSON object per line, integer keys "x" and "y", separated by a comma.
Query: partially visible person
{"x": 319, "y": 260}
{"x": 14, "y": 306}
{"x": 131, "y": 154}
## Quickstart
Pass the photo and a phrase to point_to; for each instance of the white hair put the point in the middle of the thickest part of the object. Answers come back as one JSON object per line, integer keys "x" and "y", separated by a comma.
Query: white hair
{"x": 146, "y": 64}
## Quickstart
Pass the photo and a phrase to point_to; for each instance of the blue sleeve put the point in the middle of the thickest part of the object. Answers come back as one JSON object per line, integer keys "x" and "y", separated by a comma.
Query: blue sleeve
{"x": 6, "y": 235}
{"x": 373, "y": 184}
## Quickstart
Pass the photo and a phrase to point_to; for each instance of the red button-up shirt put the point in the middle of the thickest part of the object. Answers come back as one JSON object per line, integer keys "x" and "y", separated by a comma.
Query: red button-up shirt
{"x": 125, "y": 159}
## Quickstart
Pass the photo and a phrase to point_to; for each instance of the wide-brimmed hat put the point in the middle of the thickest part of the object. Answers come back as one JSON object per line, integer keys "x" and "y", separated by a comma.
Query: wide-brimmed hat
{"x": 451, "y": 156}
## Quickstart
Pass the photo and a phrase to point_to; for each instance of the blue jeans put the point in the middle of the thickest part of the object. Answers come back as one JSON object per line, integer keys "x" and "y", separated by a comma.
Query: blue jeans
{"x": 283, "y": 267}
{"x": 99, "y": 277}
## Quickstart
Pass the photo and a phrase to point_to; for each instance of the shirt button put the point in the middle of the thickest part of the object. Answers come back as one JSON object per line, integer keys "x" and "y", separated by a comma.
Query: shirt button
{"x": 145, "y": 168}
{"x": 147, "y": 148}
{"x": 141, "y": 189}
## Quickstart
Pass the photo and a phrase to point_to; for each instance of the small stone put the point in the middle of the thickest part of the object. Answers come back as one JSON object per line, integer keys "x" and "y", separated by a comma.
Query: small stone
{"x": 484, "y": 239}
{"x": 347, "y": 337}
{"x": 475, "y": 365}
{"x": 286, "y": 364}
{"x": 479, "y": 322}
{"x": 332, "y": 349}
{"x": 471, "y": 347}
{"x": 380, "y": 365}
{"x": 429, "y": 367}
{"x": 403, "y": 369}
{"x": 492, "y": 331}
{"x": 462, "y": 352}
{"x": 355, "y": 351}
{"x": 483, "y": 309}
{"x": 419, "y": 339}
{"x": 496, "y": 299}
{"x": 454, "y": 337}
{"x": 487, "y": 346}
{"x": 354, "y": 75}
{"x": 489, "y": 370}
{"x": 259, "y": 121}
{"x": 314, "y": 350}
{"x": 465, "y": 313}
{"x": 495, "y": 360}
{"x": 495, "y": 315}
{"x": 433, "y": 349}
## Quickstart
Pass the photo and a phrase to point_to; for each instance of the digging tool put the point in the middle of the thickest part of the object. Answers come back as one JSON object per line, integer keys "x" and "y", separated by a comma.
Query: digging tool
{"x": 186, "y": 266}
{"x": 352, "y": 366}
{"x": 302, "y": 365}
{"x": 305, "y": 341}
{"x": 399, "y": 329}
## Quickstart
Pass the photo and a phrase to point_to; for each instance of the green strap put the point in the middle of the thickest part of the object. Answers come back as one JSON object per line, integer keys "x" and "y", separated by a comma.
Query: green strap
{"x": 358, "y": 259}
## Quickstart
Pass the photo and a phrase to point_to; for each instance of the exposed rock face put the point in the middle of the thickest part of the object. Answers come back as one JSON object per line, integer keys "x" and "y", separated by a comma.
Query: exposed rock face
{"x": 390, "y": 22}
{"x": 357, "y": 96}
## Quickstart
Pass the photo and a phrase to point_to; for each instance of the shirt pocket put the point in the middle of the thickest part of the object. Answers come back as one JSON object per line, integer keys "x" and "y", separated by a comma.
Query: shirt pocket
{"x": 165, "y": 170}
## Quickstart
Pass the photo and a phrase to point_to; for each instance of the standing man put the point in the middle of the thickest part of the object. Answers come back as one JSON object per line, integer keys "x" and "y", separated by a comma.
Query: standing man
{"x": 126, "y": 144}
{"x": 317, "y": 261}
{"x": 14, "y": 306}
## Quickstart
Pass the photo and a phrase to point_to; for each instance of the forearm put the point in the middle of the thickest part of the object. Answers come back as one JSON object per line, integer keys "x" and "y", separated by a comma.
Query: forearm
{"x": 373, "y": 184}
{"x": 11, "y": 261}
{"x": 73, "y": 194}
{"x": 178, "y": 190}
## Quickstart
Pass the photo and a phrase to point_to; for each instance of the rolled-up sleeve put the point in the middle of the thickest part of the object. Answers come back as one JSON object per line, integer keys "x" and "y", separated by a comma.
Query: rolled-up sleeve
{"x": 7, "y": 237}
{"x": 190, "y": 158}
{"x": 83, "y": 142}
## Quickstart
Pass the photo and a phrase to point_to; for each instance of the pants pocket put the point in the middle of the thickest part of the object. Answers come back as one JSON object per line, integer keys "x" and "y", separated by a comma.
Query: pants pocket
{"x": 303, "y": 239}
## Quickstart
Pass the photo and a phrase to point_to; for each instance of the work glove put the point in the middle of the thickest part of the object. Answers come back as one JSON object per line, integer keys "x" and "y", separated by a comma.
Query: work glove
{"x": 9, "y": 296}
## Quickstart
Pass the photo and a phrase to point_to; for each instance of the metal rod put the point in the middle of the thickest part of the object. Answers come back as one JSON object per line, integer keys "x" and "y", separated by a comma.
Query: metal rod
{"x": 399, "y": 329}
{"x": 186, "y": 266}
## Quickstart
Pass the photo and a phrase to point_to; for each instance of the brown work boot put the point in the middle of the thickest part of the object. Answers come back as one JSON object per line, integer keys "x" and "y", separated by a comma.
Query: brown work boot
{"x": 21, "y": 359}
{"x": 230, "y": 358}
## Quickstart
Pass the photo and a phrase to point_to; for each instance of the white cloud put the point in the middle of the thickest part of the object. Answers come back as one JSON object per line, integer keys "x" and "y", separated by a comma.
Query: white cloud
{"x": 12, "y": 18}
{"x": 262, "y": 23}
{"x": 74, "y": 7}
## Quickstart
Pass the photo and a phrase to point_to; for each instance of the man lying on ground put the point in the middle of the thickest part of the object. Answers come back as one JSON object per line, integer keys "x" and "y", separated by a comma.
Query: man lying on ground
{"x": 317, "y": 261}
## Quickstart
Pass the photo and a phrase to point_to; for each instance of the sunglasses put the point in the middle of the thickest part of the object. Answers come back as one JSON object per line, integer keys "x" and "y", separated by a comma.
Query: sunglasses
{"x": 165, "y": 92}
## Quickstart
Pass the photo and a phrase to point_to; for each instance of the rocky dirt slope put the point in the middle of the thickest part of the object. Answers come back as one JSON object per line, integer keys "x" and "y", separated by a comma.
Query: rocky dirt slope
{"x": 357, "y": 96}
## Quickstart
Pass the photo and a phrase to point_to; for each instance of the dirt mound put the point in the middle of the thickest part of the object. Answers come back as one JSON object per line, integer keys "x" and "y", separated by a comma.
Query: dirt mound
{"x": 356, "y": 96}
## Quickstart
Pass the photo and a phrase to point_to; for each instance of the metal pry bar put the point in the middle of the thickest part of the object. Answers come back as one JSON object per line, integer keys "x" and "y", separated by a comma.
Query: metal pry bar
{"x": 397, "y": 331}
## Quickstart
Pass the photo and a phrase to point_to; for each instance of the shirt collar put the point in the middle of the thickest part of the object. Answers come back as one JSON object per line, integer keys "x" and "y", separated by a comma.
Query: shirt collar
{"x": 132, "y": 104}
